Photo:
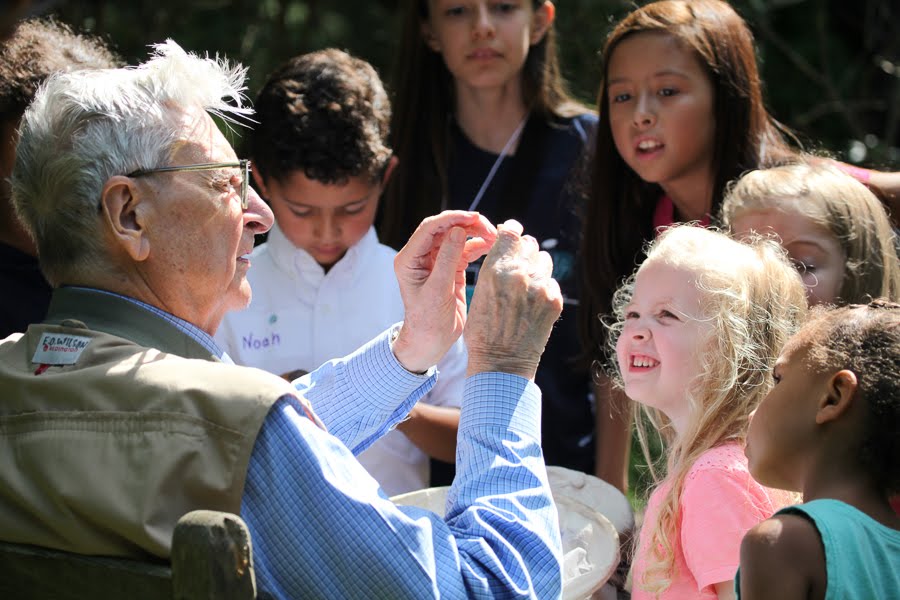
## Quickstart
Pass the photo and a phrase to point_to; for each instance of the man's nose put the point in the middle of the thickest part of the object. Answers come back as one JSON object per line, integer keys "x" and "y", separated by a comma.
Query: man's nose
{"x": 258, "y": 216}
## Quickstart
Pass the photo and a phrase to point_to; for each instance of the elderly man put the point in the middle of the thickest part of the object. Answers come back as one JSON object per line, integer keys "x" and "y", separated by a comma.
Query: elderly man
{"x": 35, "y": 49}
{"x": 120, "y": 414}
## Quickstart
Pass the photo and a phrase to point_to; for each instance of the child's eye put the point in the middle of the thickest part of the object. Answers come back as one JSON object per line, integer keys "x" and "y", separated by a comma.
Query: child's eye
{"x": 631, "y": 315}
{"x": 354, "y": 209}
{"x": 300, "y": 212}
{"x": 504, "y": 7}
{"x": 665, "y": 314}
{"x": 455, "y": 11}
{"x": 623, "y": 97}
{"x": 668, "y": 92}
{"x": 803, "y": 266}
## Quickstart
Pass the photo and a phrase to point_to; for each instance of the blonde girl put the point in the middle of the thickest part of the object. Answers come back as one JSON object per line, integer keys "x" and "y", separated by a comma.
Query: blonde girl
{"x": 698, "y": 328}
{"x": 834, "y": 229}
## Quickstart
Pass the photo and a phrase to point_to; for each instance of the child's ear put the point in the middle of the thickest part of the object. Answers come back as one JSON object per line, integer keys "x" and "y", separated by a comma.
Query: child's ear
{"x": 258, "y": 181}
{"x": 840, "y": 392}
{"x": 543, "y": 19}
{"x": 124, "y": 210}
{"x": 429, "y": 38}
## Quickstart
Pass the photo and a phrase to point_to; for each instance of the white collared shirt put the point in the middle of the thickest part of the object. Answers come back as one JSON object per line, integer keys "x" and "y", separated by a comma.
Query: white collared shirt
{"x": 301, "y": 317}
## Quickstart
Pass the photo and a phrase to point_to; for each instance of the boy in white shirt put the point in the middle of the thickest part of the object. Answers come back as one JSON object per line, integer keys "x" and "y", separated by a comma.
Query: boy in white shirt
{"x": 322, "y": 283}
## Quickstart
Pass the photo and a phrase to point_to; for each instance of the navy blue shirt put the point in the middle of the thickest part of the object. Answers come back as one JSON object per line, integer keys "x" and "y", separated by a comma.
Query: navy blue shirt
{"x": 26, "y": 294}
{"x": 538, "y": 186}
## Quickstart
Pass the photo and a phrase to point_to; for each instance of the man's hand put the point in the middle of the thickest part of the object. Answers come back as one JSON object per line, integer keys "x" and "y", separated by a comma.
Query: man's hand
{"x": 515, "y": 305}
{"x": 431, "y": 272}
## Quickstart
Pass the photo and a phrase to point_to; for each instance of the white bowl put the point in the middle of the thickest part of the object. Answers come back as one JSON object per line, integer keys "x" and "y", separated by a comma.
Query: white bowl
{"x": 590, "y": 540}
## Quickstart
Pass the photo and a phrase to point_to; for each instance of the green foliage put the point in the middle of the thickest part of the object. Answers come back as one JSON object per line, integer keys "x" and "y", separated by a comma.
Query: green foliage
{"x": 831, "y": 67}
{"x": 640, "y": 476}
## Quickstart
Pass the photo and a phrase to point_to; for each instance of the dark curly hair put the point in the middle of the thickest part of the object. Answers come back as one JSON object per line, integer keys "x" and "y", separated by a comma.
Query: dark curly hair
{"x": 865, "y": 339}
{"x": 38, "y": 48}
{"x": 326, "y": 113}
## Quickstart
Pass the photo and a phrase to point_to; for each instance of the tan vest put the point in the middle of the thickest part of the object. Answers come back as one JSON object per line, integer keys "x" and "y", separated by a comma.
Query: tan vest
{"x": 103, "y": 456}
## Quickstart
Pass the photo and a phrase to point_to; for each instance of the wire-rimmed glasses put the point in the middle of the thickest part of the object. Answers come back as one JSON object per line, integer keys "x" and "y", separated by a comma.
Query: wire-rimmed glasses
{"x": 243, "y": 165}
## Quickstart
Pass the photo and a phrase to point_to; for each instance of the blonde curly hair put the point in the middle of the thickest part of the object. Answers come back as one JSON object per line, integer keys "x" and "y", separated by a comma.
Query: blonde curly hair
{"x": 755, "y": 301}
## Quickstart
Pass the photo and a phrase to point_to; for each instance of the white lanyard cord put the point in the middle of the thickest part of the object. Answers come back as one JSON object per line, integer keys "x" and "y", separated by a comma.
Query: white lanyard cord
{"x": 490, "y": 176}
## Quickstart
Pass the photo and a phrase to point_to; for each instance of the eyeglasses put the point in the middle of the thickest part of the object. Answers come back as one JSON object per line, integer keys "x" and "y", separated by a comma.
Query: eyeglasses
{"x": 243, "y": 165}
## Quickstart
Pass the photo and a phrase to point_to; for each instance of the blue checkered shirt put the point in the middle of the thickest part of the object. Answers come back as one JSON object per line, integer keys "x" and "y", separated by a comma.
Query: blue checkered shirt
{"x": 322, "y": 527}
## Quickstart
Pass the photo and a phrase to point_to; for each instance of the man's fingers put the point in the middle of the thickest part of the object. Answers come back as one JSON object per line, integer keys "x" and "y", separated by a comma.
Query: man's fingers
{"x": 542, "y": 266}
{"x": 554, "y": 293}
{"x": 476, "y": 248}
{"x": 530, "y": 245}
{"x": 511, "y": 225}
{"x": 509, "y": 237}
{"x": 426, "y": 237}
{"x": 448, "y": 256}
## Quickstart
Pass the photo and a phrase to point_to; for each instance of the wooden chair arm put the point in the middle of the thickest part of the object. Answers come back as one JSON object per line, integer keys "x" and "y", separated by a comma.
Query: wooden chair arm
{"x": 212, "y": 558}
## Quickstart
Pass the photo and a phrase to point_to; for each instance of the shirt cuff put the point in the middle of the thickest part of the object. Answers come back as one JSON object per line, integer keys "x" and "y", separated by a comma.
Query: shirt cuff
{"x": 374, "y": 368}
{"x": 501, "y": 400}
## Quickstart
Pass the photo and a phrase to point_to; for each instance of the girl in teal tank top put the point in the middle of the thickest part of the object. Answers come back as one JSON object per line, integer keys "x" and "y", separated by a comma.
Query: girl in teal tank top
{"x": 828, "y": 429}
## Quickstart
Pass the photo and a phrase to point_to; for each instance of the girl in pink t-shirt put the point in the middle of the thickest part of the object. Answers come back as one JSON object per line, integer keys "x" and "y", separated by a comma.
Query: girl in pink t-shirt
{"x": 698, "y": 329}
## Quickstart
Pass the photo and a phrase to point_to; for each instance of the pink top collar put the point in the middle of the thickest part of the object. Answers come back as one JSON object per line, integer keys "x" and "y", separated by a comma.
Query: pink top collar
{"x": 664, "y": 214}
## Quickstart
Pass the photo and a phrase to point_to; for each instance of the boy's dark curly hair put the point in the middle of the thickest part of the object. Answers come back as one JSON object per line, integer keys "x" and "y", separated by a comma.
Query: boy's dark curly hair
{"x": 325, "y": 113}
{"x": 38, "y": 48}
{"x": 865, "y": 339}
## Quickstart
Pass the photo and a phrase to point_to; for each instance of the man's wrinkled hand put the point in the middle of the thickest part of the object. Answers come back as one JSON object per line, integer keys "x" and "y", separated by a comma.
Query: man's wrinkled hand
{"x": 431, "y": 271}
{"x": 515, "y": 304}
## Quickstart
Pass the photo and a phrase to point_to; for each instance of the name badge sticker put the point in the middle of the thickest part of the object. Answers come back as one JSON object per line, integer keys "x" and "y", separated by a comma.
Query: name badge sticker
{"x": 59, "y": 349}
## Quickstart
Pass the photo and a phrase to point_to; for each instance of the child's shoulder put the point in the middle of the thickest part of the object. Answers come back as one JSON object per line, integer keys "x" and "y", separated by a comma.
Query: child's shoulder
{"x": 781, "y": 553}
{"x": 721, "y": 476}
{"x": 727, "y": 458}
{"x": 580, "y": 125}
{"x": 841, "y": 514}
{"x": 720, "y": 495}
{"x": 822, "y": 544}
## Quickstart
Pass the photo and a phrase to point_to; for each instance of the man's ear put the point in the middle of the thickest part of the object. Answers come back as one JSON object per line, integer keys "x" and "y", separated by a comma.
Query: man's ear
{"x": 124, "y": 211}
{"x": 428, "y": 36}
{"x": 392, "y": 164}
{"x": 542, "y": 20}
{"x": 840, "y": 392}
{"x": 258, "y": 181}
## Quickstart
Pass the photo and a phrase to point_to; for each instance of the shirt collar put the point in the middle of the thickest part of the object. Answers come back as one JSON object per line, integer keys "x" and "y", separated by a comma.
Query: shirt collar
{"x": 296, "y": 260}
{"x": 664, "y": 214}
{"x": 132, "y": 319}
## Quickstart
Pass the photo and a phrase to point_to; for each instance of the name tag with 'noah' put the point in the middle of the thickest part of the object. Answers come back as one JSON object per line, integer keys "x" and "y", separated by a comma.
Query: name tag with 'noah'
{"x": 59, "y": 349}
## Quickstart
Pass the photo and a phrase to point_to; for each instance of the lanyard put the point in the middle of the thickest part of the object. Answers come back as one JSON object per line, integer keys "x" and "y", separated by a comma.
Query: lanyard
{"x": 490, "y": 176}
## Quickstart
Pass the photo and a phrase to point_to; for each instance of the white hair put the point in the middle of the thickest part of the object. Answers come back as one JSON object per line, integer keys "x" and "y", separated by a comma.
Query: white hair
{"x": 84, "y": 127}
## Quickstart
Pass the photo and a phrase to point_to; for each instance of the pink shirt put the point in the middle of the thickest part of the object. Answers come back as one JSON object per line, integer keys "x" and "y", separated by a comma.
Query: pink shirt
{"x": 664, "y": 214}
{"x": 858, "y": 173}
{"x": 720, "y": 502}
